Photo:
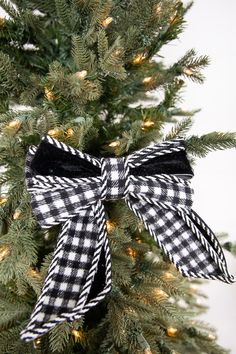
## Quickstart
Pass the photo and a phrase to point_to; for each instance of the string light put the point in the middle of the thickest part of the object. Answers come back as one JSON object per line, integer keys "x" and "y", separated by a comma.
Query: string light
{"x": 188, "y": 71}
{"x": 160, "y": 293}
{"x": 49, "y": 94}
{"x": 3, "y": 200}
{"x": 54, "y": 133}
{"x": 2, "y": 22}
{"x": 81, "y": 74}
{"x": 211, "y": 337}
{"x": 34, "y": 273}
{"x": 168, "y": 276}
{"x": 173, "y": 18}
{"x": 46, "y": 236}
{"x": 70, "y": 132}
{"x": 138, "y": 240}
{"x": 139, "y": 58}
{"x": 194, "y": 289}
{"x": 14, "y": 124}
{"x": 17, "y": 214}
{"x": 158, "y": 9}
{"x": 107, "y": 21}
{"x": 147, "y": 351}
{"x": 199, "y": 302}
{"x": 114, "y": 144}
{"x": 147, "y": 80}
{"x": 110, "y": 226}
{"x": 5, "y": 252}
{"x": 118, "y": 52}
{"x": 152, "y": 257}
{"x": 37, "y": 343}
{"x": 78, "y": 334}
{"x": 172, "y": 332}
{"x": 131, "y": 252}
{"x": 147, "y": 124}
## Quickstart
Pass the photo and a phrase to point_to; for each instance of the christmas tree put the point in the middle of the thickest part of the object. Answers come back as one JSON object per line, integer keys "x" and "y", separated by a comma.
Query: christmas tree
{"x": 87, "y": 73}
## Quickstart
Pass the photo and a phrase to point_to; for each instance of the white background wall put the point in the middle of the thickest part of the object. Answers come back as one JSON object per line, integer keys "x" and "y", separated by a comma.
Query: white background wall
{"x": 211, "y": 29}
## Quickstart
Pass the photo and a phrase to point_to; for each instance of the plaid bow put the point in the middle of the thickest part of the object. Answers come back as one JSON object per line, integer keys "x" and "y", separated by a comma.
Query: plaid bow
{"x": 68, "y": 187}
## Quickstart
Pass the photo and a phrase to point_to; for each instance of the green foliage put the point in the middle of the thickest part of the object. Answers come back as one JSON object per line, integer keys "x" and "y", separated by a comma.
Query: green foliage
{"x": 63, "y": 12}
{"x": 179, "y": 129}
{"x": 8, "y": 74}
{"x": 201, "y": 146}
{"x": 231, "y": 247}
{"x": 110, "y": 59}
{"x": 81, "y": 54}
{"x": 190, "y": 66}
{"x": 59, "y": 337}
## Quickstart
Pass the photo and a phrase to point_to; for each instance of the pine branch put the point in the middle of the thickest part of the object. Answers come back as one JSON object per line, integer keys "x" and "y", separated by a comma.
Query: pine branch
{"x": 112, "y": 62}
{"x": 100, "y": 10}
{"x": 231, "y": 247}
{"x": 44, "y": 6}
{"x": 8, "y": 74}
{"x": 172, "y": 93}
{"x": 173, "y": 28}
{"x": 180, "y": 129}
{"x": 59, "y": 337}
{"x": 11, "y": 313}
{"x": 10, "y": 342}
{"x": 102, "y": 44}
{"x": 201, "y": 146}
{"x": 190, "y": 66}
{"x": 80, "y": 53}
{"x": 65, "y": 14}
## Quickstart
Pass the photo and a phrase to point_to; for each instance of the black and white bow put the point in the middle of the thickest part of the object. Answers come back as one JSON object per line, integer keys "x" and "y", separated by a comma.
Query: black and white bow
{"x": 68, "y": 187}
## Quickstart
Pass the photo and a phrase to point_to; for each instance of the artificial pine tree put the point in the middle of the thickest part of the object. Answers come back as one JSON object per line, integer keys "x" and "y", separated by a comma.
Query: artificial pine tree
{"x": 86, "y": 73}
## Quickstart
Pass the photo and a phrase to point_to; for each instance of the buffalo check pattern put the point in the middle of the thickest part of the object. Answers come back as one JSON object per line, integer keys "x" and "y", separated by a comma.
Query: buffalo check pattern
{"x": 161, "y": 201}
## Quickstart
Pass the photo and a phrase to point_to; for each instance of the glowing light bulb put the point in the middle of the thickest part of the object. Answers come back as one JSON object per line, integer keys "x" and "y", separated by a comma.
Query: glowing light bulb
{"x": 168, "y": 276}
{"x": 81, "y": 74}
{"x": 107, "y": 21}
{"x": 114, "y": 143}
{"x": 17, "y": 214}
{"x": 139, "y": 58}
{"x": 188, "y": 71}
{"x": 147, "y": 124}
{"x": 5, "y": 251}
{"x": 110, "y": 226}
{"x": 49, "y": 94}
{"x": 147, "y": 80}
{"x": 14, "y": 124}
{"x": 172, "y": 332}
{"x": 78, "y": 334}
{"x": 3, "y": 200}
{"x": 160, "y": 293}
{"x": 70, "y": 132}
{"x": 54, "y": 133}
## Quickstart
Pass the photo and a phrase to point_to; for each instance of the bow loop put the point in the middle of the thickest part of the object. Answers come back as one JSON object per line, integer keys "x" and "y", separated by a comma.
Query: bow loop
{"x": 55, "y": 206}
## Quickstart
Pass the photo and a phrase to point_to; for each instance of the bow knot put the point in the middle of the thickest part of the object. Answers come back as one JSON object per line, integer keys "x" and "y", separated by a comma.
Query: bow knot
{"x": 115, "y": 178}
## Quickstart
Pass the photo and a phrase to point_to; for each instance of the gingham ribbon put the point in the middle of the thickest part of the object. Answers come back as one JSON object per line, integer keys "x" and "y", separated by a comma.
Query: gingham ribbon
{"x": 161, "y": 201}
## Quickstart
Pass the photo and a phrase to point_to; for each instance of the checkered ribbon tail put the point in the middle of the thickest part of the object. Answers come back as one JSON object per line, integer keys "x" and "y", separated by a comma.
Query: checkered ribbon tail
{"x": 162, "y": 201}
